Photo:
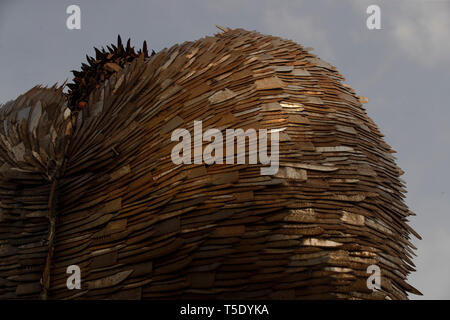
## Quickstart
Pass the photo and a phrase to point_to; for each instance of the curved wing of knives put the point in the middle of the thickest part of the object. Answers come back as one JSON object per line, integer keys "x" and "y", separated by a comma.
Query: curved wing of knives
{"x": 34, "y": 136}
{"x": 97, "y": 188}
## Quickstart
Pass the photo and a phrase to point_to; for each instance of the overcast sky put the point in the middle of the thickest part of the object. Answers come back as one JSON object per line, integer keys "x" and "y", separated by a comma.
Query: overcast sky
{"x": 404, "y": 70}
